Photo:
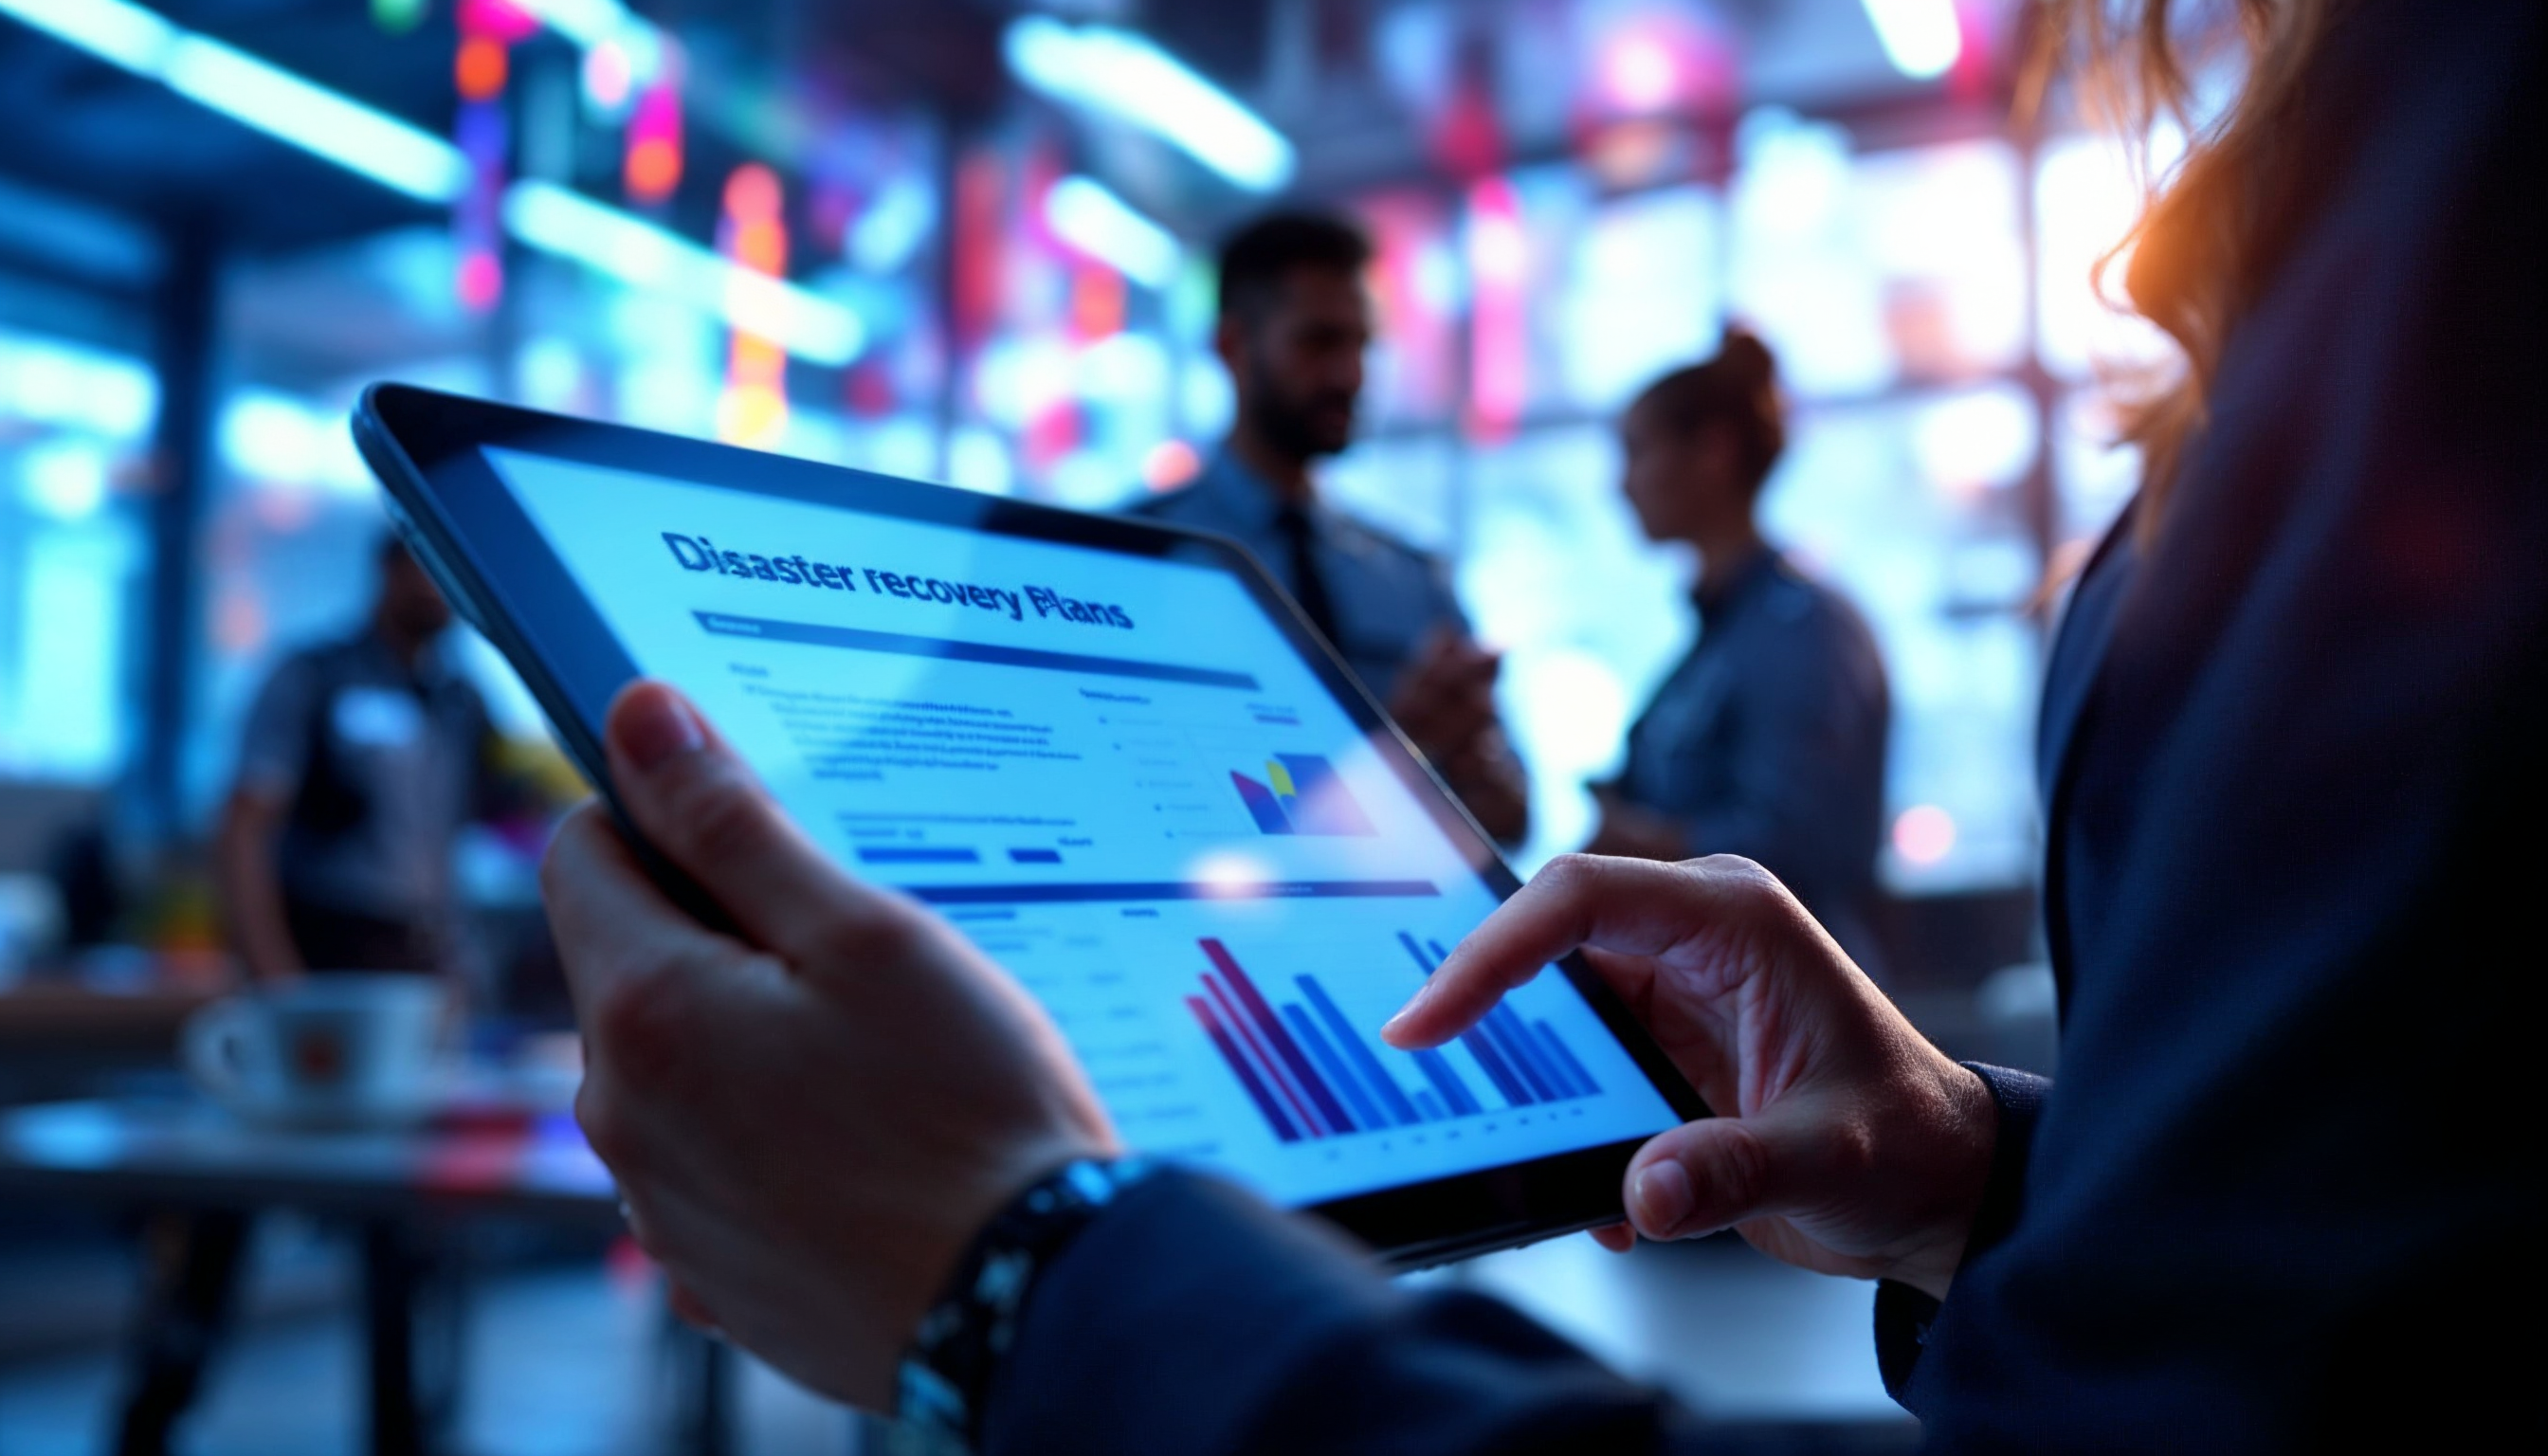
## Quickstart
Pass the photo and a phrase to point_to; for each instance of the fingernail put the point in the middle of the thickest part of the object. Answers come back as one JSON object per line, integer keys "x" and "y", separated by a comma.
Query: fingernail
{"x": 1663, "y": 1196}
{"x": 1391, "y": 1025}
{"x": 659, "y": 727}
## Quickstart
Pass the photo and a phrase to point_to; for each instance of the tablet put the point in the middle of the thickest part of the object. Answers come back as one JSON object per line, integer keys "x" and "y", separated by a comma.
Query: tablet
{"x": 1112, "y": 753}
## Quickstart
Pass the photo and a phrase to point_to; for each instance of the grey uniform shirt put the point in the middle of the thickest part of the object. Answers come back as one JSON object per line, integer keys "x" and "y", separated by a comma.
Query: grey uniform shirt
{"x": 380, "y": 765}
{"x": 1387, "y": 597}
{"x": 1769, "y": 741}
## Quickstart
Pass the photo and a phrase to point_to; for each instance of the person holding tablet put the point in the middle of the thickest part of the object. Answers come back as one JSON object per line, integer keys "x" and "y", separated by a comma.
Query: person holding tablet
{"x": 1295, "y": 323}
{"x": 2291, "y": 749}
{"x": 1768, "y": 739}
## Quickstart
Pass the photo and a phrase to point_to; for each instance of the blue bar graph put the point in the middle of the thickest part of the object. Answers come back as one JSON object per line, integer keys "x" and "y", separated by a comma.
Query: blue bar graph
{"x": 1484, "y": 1041}
{"x": 1514, "y": 1041}
{"x": 1277, "y": 1036}
{"x": 1585, "y": 1086}
{"x": 1437, "y": 1070}
{"x": 1483, "y": 1047}
{"x": 1313, "y": 1075}
{"x": 1248, "y": 1077}
{"x": 1383, "y": 1085}
{"x": 1364, "y": 1116}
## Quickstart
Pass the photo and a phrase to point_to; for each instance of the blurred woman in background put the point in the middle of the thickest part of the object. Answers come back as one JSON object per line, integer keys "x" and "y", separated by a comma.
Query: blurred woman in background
{"x": 1767, "y": 740}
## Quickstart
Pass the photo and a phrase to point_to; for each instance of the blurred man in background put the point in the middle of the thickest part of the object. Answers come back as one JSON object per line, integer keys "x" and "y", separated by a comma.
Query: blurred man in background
{"x": 363, "y": 760}
{"x": 1294, "y": 321}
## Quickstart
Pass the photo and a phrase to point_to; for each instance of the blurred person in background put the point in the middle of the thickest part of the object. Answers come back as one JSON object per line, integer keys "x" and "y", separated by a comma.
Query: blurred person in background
{"x": 1295, "y": 321}
{"x": 1768, "y": 741}
{"x": 362, "y": 761}
{"x": 2285, "y": 1194}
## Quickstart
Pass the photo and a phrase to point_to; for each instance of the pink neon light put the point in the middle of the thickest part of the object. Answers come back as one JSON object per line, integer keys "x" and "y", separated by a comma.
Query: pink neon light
{"x": 1499, "y": 318}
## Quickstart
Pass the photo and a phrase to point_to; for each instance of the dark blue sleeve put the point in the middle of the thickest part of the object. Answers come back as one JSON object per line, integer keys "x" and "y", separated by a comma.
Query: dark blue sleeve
{"x": 1192, "y": 1319}
{"x": 2285, "y": 1197}
{"x": 1903, "y": 1314}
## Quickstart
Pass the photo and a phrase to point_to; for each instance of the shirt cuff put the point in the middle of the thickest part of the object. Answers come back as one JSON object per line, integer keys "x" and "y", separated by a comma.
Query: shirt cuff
{"x": 1903, "y": 1314}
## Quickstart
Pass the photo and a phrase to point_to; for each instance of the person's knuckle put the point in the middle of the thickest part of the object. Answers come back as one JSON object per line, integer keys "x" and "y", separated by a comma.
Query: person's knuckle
{"x": 719, "y": 820}
{"x": 1739, "y": 1167}
{"x": 1746, "y": 881}
{"x": 570, "y": 851}
{"x": 1732, "y": 870}
{"x": 606, "y": 1129}
{"x": 642, "y": 1026}
{"x": 1569, "y": 874}
{"x": 876, "y": 936}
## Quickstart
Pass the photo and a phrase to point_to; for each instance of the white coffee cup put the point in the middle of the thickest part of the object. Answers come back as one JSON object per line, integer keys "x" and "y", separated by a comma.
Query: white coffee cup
{"x": 339, "y": 1050}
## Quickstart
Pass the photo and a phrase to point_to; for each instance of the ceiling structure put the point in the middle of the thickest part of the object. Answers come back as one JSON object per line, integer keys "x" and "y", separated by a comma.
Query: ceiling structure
{"x": 105, "y": 171}
{"x": 1348, "y": 80}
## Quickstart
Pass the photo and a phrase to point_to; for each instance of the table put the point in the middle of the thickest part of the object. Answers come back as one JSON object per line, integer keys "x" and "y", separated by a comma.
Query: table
{"x": 57, "y": 1037}
{"x": 40, "y": 1014}
{"x": 497, "y": 1151}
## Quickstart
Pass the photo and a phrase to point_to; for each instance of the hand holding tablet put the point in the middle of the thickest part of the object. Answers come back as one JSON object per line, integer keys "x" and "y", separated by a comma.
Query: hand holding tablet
{"x": 845, "y": 1072}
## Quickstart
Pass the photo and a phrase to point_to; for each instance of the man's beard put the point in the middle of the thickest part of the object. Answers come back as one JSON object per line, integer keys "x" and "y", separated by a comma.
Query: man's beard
{"x": 1292, "y": 427}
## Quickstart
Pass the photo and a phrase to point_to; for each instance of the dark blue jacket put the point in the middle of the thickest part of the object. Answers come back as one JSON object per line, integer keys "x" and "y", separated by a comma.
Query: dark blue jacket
{"x": 2287, "y": 1192}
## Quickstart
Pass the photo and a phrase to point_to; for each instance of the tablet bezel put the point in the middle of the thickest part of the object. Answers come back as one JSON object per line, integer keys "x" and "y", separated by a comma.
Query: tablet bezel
{"x": 472, "y": 533}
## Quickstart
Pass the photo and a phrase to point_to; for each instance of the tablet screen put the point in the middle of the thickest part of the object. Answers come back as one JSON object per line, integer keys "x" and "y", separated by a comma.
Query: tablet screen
{"x": 1117, "y": 777}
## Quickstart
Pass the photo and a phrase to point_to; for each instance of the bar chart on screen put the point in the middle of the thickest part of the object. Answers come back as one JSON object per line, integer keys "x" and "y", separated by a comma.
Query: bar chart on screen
{"x": 1313, "y": 1074}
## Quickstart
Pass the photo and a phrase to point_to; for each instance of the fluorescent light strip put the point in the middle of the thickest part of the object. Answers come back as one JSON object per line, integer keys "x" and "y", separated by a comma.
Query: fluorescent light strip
{"x": 1124, "y": 75}
{"x": 248, "y": 90}
{"x": 1920, "y": 36}
{"x": 616, "y": 243}
{"x": 587, "y": 23}
{"x": 411, "y": 161}
{"x": 111, "y": 29}
{"x": 280, "y": 104}
{"x": 1093, "y": 219}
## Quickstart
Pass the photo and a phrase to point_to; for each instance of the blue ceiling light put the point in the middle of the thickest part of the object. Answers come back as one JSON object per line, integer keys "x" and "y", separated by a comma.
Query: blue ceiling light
{"x": 375, "y": 145}
{"x": 274, "y": 101}
{"x": 642, "y": 255}
{"x": 316, "y": 120}
{"x": 1124, "y": 75}
{"x": 111, "y": 29}
{"x": 1093, "y": 219}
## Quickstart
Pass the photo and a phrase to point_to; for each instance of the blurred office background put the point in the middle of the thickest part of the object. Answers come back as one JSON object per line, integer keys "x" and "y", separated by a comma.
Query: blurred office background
{"x": 970, "y": 241}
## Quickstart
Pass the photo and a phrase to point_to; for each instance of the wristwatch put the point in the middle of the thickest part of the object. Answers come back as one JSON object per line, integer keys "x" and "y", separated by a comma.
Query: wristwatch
{"x": 945, "y": 1380}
